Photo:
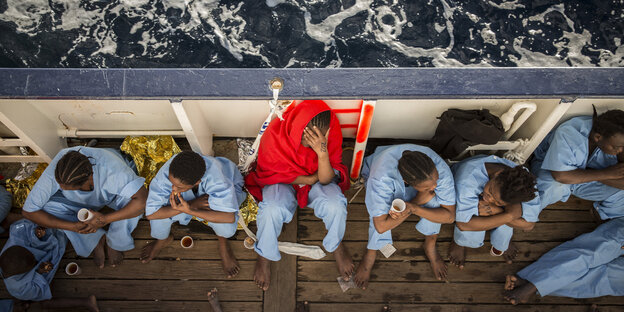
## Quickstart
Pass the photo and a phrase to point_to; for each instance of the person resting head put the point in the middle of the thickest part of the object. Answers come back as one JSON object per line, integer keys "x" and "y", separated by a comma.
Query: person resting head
{"x": 320, "y": 121}
{"x": 510, "y": 186}
{"x": 74, "y": 171}
{"x": 16, "y": 260}
{"x": 608, "y": 131}
{"x": 186, "y": 171}
{"x": 418, "y": 171}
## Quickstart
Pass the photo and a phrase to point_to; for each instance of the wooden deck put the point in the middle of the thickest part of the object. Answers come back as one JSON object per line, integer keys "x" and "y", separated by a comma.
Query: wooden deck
{"x": 179, "y": 279}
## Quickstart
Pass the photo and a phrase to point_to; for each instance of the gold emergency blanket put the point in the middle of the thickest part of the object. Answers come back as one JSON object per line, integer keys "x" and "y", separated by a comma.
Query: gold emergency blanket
{"x": 150, "y": 153}
{"x": 20, "y": 188}
{"x": 248, "y": 210}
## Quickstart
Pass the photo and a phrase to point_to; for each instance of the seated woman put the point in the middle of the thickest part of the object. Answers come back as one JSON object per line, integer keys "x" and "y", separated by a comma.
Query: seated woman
{"x": 84, "y": 177}
{"x": 192, "y": 186}
{"x": 584, "y": 157}
{"x": 29, "y": 260}
{"x": 588, "y": 266}
{"x": 495, "y": 194}
{"x": 300, "y": 162}
{"x": 417, "y": 175}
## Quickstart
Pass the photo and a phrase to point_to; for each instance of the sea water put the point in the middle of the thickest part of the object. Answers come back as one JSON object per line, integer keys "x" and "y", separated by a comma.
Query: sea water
{"x": 310, "y": 33}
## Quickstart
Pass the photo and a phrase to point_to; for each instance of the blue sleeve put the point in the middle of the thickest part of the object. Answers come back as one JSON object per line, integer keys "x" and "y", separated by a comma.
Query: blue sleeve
{"x": 467, "y": 201}
{"x": 531, "y": 209}
{"x": 445, "y": 191}
{"x": 116, "y": 177}
{"x": 43, "y": 190}
{"x": 379, "y": 195}
{"x": 564, "y": 151}
{"x": 220, "y": 187}
{"x": 30, "y": 286}
{"x": 159, "y": 191}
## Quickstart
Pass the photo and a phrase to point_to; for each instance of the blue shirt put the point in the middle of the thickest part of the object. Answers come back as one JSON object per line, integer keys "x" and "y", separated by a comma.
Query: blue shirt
{"x": 384, "y": 183}
{"x": 567, "y": 148}
{"x": 220, "y": 182}
{"x": 112, "y": 177}
{"x": 470, "y": 178}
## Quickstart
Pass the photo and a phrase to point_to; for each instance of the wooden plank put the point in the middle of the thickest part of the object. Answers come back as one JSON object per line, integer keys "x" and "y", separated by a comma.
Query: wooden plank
{"x": 194, "y": 229}
{"x": 412, "y": 251}
{"x": 363, "y": 307}
{"x": 412, "y": 271}
{"x": 158, "y": 269}
{"x": 358, "y": 212}
{"x": 188, "y": 306}
{"x": 281, "y": 295}
{"x": 415, "y": 292}
{"x": 357, "y": 231}
{"x": 572, "y": 203}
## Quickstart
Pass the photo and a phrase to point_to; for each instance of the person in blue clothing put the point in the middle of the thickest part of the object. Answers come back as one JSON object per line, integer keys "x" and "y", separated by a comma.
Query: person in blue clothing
{"x": 588, "y": 266}
{"x": 417, "y": 175}
{"x": 28, "y": 262}
{"x": 494, "y": 194}
{"x": 191, "y": 186}
{"x": 584, "y": 157}
{"x": 85, "y": 177}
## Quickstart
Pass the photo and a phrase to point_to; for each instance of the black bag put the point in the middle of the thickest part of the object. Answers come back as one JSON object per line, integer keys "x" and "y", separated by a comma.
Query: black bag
{"x": 458, "y": 129}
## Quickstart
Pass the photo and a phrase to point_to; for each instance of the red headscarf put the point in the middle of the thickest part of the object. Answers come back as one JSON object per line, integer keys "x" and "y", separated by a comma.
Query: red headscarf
{"x": 282, "y": 158}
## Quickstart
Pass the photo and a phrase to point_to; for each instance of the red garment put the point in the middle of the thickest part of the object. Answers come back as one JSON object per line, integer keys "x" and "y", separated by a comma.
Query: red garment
{"x": 282, "y": 158}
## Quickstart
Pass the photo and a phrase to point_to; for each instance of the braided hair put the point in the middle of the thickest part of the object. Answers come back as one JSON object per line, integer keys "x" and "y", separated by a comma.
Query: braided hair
{"x": 73, "y": 169}
{"x": 321, "y": 120}
{"x": 517, "y": 185}
{"x": 189, "y": 167}
{"x": 416, "y": 167}
{"x": 608, "y": 123}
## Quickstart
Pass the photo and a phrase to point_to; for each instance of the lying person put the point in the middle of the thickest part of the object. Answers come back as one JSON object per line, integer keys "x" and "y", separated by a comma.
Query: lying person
{"x": 85, "y": 177}
{"x": 417, "y": 175}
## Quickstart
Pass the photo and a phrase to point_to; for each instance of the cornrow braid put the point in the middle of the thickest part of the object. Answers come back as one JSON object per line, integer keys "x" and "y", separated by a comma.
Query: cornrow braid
{"x": 73, "y": 169}
{"x": 608, "y": 123}
{"x": 517, "y": 185}
{"x": 415, "y": 167}
{"x": 321, "y": 120}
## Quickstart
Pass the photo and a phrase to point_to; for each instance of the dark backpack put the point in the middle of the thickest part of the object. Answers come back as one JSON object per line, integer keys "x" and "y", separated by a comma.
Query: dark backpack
{"x": 458, "y": 129}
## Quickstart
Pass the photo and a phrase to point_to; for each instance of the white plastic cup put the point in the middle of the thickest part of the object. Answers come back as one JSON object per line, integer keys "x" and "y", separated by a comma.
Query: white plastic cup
{"x": 249, "y": 242}
{"x": 398, "y": 205}
{"x": 186, "y": 242}
{"x": 84, "y": 215}
{"x": 72, "y": 268}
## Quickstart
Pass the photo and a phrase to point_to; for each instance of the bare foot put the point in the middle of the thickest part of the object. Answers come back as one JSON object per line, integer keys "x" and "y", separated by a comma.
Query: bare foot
{"x": 92, "y": 304}
{"x": 521, "y": 292}
{"x": 593, "y": 308}
{"x": 303, "y": 307}
{"x": 262, "y": 273}
{"x": 513, "y": 281}
{"x": 511, "y": 253}
{"x": 457, "y": 255}
{"x": 98, "y": 253}
{"x": 386, "y": 308}
{"x": 228, "y": 260}
{"x": 213, "y": 298}
{"x": 344, "y": 262}
{"x": 440, "y": 271}
{"x": 363, "y": 272}
{"x": 115, "y": 257}
{"x": 152, "y": 249}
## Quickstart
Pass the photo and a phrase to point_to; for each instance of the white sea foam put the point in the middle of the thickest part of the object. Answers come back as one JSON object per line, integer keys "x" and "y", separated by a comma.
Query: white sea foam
{"x": 507, "y": 5}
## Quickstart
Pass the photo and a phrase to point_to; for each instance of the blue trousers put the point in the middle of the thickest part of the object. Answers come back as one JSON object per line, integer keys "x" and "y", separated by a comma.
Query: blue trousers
{"x": 608, "y": 201}
{"x": 499, "y": 237}
{"x": 278, "y": 207}
{"x": 118, "y": 235}
{"x": 588, "y": 266}
{"x": 377, "y": 240}
{"x": 5, "y": 204}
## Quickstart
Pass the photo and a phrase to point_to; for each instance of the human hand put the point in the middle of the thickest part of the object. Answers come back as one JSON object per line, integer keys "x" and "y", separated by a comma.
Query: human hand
{"x": 40, "y": 232}
{"x": 485, "y": 209}
{"x": 82, "y": 228}
{"x": 316, "y": 139}
{"x": 200, "y": 203}
{"x": 178, "y": 203}
{"x": 45, "y": 267}
{"x": 403, "y": 214}
{"x": 99, "y": 220}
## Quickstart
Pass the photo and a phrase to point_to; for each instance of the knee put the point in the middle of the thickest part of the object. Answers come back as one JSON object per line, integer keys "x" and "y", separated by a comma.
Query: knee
{"x": 226, "y": 230}
{"x": 336, "y": 209}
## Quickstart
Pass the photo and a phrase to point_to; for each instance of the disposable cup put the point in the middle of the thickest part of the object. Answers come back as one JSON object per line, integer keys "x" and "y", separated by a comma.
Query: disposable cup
{"x": 398, "y": 205}
{"x": 249, "y": 242}
{"x": 72, "y": 268}
{"x": 186, "y": 242}
{"x": 85, "y": 214}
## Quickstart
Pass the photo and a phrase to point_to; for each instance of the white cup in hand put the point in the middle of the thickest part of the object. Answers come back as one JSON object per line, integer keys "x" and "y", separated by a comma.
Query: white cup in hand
{"x": 398, "y": 205}
{"x": 84, "y": 215}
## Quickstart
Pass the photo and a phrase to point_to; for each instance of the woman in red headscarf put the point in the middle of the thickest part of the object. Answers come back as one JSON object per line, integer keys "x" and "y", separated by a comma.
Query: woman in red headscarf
{"x": 300, "y": 164}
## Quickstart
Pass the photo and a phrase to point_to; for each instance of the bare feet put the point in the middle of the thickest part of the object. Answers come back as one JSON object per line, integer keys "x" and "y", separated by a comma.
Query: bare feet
{"x": 303, "y": 307}
{"x": 98, "y": 253}
{"x": 457, "y": 255}
{"x": 511, "y": 253}
{"x": 593, "y": 308}
{"x": 344, "y": 262}
{"x": 386, "y": 308}
{"x": 228, "y": 260}
{"x": 92, "y": 304}
{"x": 262, "y": 273}
{"x": 152, "y": 249}
{"x": 440, "y": 271}
{"x": 213, "y": 298}
{"x": 363, "y": 272}
{"x": 518, "y": 290}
